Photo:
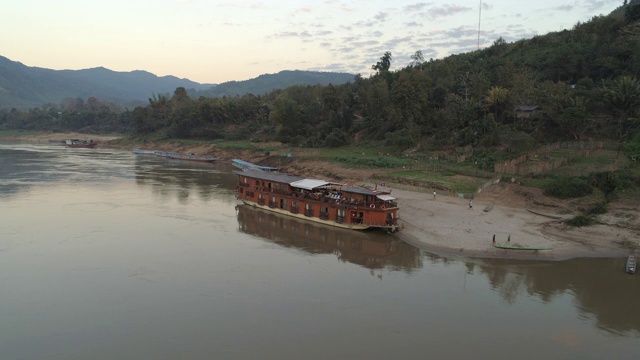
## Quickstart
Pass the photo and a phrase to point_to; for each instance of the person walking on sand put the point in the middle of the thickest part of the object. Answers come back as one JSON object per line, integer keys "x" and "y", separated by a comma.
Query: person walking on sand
{"x": 494, "y": 239}
{"x": 434, "y": 194}
{"x": 470, "y": 204}
{"x": 509, "y": 238}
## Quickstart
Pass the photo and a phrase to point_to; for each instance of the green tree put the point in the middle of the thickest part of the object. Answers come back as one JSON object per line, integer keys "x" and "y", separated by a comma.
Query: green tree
{"x": 623, "y": 97}
{"x": 575, "y": 117}
{"x": 496, "y": 99}
{"x": 417, "y": 59}
{"x": 384, "y": 64}
{"x": 286, "y": 115}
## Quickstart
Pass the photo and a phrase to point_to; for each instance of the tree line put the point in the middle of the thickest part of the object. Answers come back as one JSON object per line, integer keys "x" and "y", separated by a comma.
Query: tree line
{"x": 580, "y": 82}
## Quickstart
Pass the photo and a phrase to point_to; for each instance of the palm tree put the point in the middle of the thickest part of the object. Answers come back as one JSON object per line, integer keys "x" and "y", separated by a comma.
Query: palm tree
{"x": 497, "y": 97}
{"x": 623, "y": 96}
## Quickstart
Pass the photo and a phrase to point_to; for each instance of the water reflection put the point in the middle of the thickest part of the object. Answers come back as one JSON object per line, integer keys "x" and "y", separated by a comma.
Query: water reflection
{"x": 370, "y": 249}
{"x": 179, "y": 178}
{"x": 600, "y": 287}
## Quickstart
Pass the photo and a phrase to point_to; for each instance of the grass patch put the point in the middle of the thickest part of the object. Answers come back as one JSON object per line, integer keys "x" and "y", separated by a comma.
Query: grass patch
{"x": 568, "y": 188}
{"x": 436, "y": 180}
{"x": 18, "y": 133}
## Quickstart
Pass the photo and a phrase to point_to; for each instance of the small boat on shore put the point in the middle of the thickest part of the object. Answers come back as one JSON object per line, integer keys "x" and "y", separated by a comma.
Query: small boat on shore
{"x": 631, "y": 264}
{"x": 521, "y": 247}
{"x": 191, "y": 157}
{"x": 174, "y": 155}
{"x": 245, "y": 165}
{"x": 77, "y": 143}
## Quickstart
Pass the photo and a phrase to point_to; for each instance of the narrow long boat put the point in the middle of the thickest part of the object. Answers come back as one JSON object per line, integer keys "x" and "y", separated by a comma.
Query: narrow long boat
{"x": 631, "y": 264}
{"x": 245, "y": 165}
{"x": 176, "y": 156}
{"x": 326, "y": 202}
{"x": 77, "y": 143}
{"x": 521, "y": 247}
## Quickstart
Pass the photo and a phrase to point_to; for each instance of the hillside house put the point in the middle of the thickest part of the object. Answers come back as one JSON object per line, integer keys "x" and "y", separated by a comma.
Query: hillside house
{"x": 527, "y": 111}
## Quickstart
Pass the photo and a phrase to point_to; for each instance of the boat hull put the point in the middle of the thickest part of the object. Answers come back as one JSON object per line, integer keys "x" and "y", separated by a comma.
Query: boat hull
{"x": 175, "y": 156}
{"x": 76, "y": 143}
{"x": 308, "y": 218}
{"x": 82, "y": 146}
{"x": 516, "y": 247}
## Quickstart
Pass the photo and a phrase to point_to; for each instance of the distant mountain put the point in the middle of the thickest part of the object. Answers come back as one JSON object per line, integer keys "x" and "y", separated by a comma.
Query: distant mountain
{"x": 23, "y": 86}
{"x": 269, "y": 82}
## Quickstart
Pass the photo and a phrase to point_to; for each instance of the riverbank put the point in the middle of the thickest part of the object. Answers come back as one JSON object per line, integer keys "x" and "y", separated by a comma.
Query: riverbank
{"x": 447, "y": 225}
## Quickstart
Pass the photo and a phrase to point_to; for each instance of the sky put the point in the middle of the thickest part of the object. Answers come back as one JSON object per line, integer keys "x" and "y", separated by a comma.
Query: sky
{"x": 211, "y": 41}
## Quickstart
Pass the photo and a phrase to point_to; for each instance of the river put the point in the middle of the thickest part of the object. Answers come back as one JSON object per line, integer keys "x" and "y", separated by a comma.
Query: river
{"x": 109, "y": 255}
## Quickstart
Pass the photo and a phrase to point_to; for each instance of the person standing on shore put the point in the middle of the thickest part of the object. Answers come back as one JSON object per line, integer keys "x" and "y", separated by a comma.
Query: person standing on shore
{"x": 434, "y": 194}
{"x": 470, "y": 204}
{"x": 509, "y": 238}
{"x": 494, "y": 239}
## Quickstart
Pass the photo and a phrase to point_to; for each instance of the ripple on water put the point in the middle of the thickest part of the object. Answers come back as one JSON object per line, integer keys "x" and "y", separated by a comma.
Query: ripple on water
{"x": 91, "y": 206}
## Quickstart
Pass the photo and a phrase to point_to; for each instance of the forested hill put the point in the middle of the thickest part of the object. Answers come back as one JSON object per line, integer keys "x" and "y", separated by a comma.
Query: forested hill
{"x": 269, "y": 82}
{"x": 23, "y": 86}
{"x": 570, "y": 85}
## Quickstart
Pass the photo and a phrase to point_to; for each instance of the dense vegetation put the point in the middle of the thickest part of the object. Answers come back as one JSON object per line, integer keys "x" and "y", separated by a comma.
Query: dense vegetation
{"x": 580, "y": 83}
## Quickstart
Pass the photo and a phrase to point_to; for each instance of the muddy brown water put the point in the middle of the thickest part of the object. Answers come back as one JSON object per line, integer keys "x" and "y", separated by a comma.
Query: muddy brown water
{"x": 109, "y": 255}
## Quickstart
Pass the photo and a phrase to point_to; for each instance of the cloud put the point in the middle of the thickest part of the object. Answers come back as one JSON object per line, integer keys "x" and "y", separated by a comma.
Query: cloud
{"x": 415, "y": 7}
{"x": 446, "y": 10}
{"x": 381, "y": 16}
{"x": 564, "y": 8}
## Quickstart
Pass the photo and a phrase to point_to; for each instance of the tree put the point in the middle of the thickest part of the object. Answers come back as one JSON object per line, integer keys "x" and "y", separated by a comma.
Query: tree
{"x": 417, "y": 59}
{"x": 496, "y": 98}
{"x": 384, "y": 64}
{"x": 623, "y": 97}
{"x": 575, "y": 117}
{"x": 286, "y": 115}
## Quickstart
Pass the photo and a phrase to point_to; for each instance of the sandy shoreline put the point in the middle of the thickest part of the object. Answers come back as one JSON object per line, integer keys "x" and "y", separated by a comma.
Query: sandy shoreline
{"x": 446, "y": 226}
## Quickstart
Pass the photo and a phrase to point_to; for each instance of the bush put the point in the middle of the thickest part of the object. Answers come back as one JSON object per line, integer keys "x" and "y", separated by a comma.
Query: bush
{"x": 600, "y": 208}
{"x": 580, "y": 221}
{"x": 568, "y": 188}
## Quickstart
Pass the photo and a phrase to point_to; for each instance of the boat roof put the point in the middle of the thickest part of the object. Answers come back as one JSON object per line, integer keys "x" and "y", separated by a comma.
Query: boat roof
{"x": 269, "y": 176}
{"x": 310, "y": 184}
{"x": 385, "y": 197}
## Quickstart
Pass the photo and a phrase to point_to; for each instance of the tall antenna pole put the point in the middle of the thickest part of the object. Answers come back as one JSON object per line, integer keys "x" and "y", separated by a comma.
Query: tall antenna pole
{"x": 479, "y": 19}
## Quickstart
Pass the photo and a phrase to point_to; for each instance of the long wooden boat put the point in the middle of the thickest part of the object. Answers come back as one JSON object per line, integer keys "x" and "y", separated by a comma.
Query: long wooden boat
{"x": 521, "y": 247}
{"x": 77, "y": 143}
{"x": 325, "y": 202}
{"x": 174, "y": 155}
{"x": 191, "y": 157}
{"x": 245, "y": 165}
{"x": 631, "y": 264}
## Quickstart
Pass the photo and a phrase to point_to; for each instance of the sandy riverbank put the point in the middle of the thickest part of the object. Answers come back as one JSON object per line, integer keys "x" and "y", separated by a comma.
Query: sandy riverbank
{"x": 445, "y": 225}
